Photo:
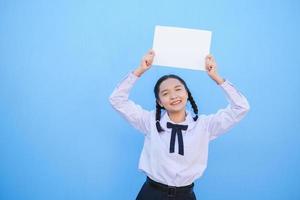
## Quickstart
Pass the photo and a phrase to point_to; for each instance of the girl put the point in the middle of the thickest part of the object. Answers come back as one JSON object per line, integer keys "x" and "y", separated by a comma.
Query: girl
{"x": 176, "y": 141}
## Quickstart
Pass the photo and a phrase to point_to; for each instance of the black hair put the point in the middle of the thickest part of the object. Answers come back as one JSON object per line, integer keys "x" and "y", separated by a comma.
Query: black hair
{"x": 158, "y": 107}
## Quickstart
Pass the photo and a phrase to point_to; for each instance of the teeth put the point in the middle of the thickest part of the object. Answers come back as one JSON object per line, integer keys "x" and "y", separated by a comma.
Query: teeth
{"x": 176, "y": 102}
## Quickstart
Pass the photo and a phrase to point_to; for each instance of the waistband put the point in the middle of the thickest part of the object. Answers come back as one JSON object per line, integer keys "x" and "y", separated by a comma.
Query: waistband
{"x": 171, "y": 190}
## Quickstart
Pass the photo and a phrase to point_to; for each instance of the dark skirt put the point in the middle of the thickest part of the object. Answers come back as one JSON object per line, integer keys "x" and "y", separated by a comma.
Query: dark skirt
{"x": 152, "y": 190}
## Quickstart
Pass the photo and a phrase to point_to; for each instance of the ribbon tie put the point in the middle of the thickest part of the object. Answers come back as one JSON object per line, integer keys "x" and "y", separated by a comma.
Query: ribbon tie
{"x": 176, "y": 129}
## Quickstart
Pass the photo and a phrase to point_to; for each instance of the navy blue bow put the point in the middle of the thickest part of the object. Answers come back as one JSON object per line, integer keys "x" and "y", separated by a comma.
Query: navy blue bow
{"x": 176, "y": 129}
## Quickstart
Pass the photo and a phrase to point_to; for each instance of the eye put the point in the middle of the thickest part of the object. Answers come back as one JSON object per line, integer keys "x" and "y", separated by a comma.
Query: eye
{"x": 164, "y": 94}
{"x": 178, "y": 89}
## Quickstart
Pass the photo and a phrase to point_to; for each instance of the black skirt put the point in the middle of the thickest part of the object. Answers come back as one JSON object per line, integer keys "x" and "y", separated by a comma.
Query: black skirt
{"x": 152, "y": 190}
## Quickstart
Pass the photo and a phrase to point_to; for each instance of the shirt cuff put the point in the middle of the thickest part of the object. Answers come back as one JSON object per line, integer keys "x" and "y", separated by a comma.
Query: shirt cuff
{"x": 131, "y": 78}
{"x": 225, "y": 84}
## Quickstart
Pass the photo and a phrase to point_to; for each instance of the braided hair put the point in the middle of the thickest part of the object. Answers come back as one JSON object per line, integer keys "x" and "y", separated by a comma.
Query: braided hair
{"x": 158, "y": 107}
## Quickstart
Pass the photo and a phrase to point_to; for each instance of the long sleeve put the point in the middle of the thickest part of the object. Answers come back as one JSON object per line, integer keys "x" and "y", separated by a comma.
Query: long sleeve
{"x": 133, "y": 113}
{"x": 224, "y": 119}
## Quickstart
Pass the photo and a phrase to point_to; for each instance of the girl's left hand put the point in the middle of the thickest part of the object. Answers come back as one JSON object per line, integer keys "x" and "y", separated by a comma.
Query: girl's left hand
{"x": 211, "y": 69}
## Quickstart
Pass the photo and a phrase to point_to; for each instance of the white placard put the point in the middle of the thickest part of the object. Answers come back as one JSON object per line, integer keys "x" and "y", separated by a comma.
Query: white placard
{"x": 181, "y": 47}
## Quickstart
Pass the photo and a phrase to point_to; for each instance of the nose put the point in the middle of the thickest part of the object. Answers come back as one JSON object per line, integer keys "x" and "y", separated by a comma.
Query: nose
{"x": 173, "y": 95}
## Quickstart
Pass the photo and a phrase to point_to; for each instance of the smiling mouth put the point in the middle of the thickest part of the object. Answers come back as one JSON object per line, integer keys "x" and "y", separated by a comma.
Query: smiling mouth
{"x": 176, "y": 102}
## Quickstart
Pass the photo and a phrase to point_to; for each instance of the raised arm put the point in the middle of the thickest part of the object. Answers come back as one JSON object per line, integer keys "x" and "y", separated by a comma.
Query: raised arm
{"x": 238, "y": 106}
{"x": 119, "y": 99}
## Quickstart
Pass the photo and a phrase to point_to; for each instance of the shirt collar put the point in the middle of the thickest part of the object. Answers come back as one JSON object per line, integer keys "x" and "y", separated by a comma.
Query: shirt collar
{"x": 188, "y": 121}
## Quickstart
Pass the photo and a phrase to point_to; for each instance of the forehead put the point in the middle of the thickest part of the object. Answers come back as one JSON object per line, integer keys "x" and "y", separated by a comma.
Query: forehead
{"x": 169, "y": 83}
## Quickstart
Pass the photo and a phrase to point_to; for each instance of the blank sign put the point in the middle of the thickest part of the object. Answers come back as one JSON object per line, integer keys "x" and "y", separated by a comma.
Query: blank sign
{"x": 181, "y": 47}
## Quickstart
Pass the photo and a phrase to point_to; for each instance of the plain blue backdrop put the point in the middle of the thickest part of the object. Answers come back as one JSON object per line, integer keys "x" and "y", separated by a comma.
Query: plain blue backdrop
{"x": 60, "y": 61}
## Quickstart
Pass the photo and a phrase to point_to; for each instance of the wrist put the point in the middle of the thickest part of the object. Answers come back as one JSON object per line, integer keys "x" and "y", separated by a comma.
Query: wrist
{"x": 218, "y": 79}
{"x": 138, "y": 71}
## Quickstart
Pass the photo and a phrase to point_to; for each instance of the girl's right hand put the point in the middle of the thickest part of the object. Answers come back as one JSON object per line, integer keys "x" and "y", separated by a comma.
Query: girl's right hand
{"x": 146, "y": 63}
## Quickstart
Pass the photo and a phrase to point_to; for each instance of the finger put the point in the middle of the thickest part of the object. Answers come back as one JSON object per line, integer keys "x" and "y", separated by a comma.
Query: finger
{"x": 209, "y": 62}
{"x": 208, "y": 57}
{"x": 207, "y": 66}
{"x": 150, "y": 55}
{"x": 151, "y": 52}
{"x": 149, "y": 58}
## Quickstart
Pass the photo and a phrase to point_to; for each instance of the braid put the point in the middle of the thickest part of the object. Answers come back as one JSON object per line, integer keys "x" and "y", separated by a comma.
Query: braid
{"x": 193, "y": 103}
{"x": 157, "y": 118}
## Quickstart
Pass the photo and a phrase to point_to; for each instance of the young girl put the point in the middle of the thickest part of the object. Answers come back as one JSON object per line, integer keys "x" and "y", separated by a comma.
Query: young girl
{"x": 176, "y": 141}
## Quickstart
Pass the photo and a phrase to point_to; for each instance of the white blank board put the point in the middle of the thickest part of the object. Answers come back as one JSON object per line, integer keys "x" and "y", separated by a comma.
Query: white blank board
{"x": 181, "y": 47}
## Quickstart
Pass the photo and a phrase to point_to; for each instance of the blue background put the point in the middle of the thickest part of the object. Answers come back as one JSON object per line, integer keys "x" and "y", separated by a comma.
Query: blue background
{"x": 60, "y": 61}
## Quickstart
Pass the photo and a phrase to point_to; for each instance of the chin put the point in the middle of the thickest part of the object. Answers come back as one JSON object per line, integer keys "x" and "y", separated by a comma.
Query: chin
{"x": 174, "y": 110}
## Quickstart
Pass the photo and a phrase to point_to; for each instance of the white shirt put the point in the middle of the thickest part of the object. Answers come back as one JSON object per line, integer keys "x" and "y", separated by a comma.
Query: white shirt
{"x": 156, "y": 161}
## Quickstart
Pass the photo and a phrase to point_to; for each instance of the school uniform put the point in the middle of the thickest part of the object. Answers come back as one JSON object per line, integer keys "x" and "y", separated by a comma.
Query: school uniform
{"x": 176, "y": 157}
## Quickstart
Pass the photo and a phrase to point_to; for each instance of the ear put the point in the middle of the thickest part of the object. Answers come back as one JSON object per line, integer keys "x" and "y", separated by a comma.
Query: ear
{"x": 159, "y": 103}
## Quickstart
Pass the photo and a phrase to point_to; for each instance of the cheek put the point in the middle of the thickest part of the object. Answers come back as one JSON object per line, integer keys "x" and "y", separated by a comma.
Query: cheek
{"x": 184, "y": 95}
{"x": 163, "y": 100}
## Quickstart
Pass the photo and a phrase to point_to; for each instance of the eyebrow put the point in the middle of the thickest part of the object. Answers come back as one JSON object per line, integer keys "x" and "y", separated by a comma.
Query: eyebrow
{"x": 177, "y": 86}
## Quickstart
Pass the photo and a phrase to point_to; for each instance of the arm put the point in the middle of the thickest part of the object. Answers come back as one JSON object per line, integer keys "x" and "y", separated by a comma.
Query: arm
{"x": 238, "y": 106}
{"x": 119, "y": 99}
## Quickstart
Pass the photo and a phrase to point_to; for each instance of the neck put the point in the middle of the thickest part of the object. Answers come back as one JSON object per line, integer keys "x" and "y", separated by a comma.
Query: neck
{"x": 177, "y": 117}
